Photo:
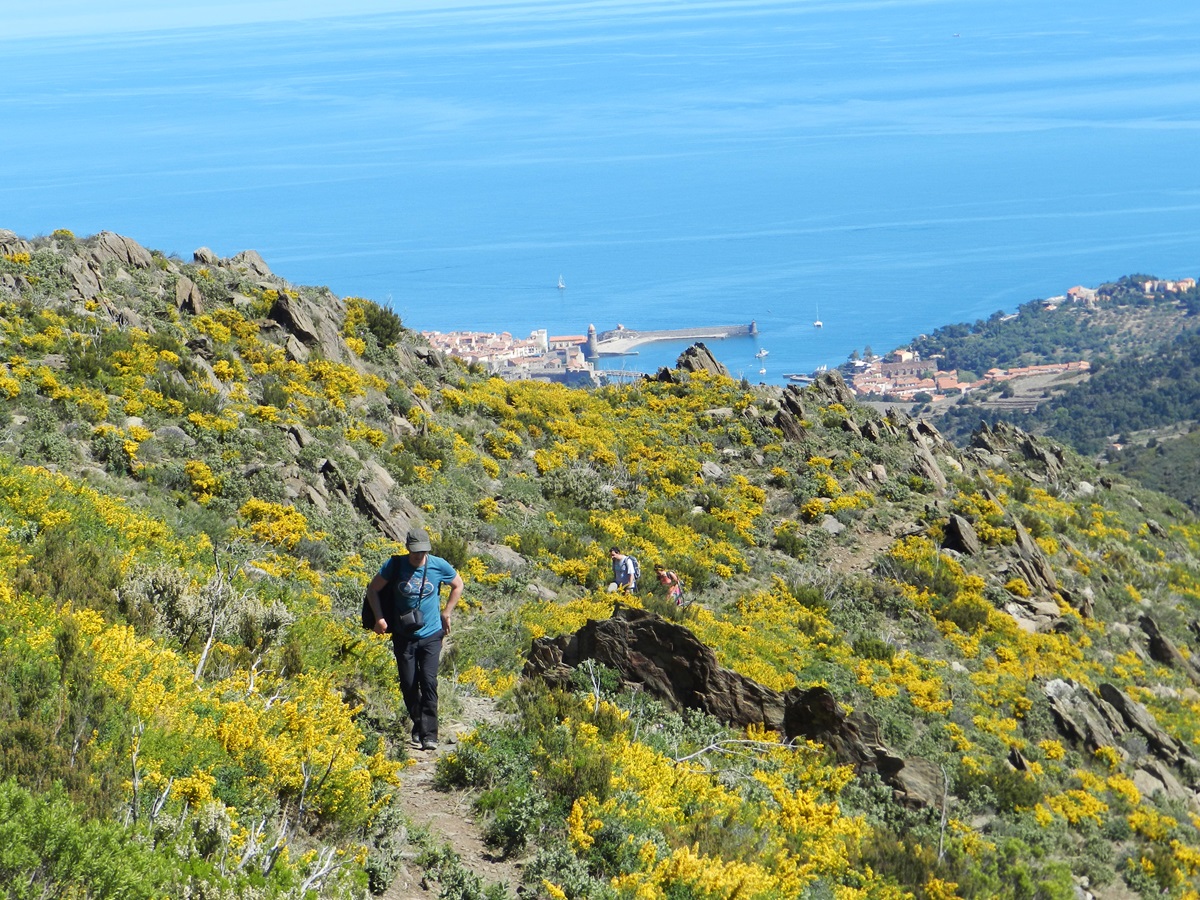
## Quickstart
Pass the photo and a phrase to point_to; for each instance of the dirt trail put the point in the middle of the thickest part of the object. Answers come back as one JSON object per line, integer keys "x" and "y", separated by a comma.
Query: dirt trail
{"x": 448, "y": 814}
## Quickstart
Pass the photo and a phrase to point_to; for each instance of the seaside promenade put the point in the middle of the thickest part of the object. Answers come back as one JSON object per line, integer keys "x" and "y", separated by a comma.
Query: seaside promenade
{"x": 621, "y": 341}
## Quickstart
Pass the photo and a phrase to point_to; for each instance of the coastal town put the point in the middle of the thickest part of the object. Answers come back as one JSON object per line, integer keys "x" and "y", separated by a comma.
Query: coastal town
{"x": 901, "y": 375}
{"x": 567, "y": 359}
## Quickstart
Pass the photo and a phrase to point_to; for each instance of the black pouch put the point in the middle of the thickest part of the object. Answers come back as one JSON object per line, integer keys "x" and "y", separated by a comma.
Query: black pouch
{"x": 411, "y": 620}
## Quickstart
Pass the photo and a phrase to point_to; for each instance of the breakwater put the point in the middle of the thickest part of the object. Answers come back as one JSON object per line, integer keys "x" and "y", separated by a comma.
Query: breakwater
{"x": 621, "y": 341}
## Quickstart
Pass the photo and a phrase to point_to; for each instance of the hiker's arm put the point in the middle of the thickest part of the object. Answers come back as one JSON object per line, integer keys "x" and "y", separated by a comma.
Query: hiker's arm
{"x": 456, "y": 589}
{"x": 378, "y": 583}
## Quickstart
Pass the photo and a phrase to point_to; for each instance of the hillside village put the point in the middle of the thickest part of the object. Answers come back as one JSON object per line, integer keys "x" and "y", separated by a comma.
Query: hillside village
{"x": 903, "y": 375}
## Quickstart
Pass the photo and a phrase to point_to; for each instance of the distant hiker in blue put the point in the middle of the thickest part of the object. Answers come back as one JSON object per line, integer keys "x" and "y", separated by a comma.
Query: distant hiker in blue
{"x": 406, "y": 599}
{"x": 626, "y": 572}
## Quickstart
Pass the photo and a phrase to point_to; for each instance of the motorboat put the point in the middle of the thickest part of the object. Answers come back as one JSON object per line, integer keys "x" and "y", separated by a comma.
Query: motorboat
{"x": 762, "y": 353}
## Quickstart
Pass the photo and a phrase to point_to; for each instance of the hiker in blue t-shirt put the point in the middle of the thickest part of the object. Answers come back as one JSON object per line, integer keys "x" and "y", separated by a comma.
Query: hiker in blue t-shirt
{"x": 418, "y": 623}
{"x": 625, "y": 572}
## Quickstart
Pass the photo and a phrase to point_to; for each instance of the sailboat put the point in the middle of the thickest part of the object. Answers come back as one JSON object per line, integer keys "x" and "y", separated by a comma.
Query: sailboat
{"x": 818, "y": 323}
{"x": 562, "y": 285}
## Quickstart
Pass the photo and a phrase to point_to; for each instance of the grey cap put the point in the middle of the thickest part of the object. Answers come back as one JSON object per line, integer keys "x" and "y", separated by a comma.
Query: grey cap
{"x": 417, "y": 540}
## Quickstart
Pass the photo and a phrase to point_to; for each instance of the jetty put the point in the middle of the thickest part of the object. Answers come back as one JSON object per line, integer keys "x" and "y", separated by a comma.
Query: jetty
{"x": 621, "y": 341}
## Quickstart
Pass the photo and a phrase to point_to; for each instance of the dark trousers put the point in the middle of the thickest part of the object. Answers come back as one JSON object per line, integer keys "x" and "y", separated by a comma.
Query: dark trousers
{"x": 417, "y": 662}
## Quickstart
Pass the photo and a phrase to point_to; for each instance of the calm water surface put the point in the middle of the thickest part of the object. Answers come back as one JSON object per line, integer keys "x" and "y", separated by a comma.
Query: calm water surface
{"x": 884, "y": 166}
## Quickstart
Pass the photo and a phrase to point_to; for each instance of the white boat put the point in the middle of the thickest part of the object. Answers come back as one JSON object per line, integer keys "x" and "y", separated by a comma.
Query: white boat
{"x": 562, "y": 285}
{"x": 761, "y": 353}
{"x": 818, "y": 323}
{"x": 762, "y": 371}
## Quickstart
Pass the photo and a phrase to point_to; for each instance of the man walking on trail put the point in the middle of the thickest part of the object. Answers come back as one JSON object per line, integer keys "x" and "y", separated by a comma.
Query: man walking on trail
{"x": 418, "y": 623}
{"x": 624, "y": 572}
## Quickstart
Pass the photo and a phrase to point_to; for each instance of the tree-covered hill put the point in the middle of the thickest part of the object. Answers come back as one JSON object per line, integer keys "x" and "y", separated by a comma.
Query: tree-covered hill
{"x": 1121, "y": 322}
{"x": 201, "y": 465}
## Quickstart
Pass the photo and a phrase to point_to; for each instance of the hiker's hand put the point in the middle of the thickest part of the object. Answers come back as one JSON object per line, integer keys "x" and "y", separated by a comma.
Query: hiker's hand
{"x": 446, "y": 622}
{"x": 381, "y": 625}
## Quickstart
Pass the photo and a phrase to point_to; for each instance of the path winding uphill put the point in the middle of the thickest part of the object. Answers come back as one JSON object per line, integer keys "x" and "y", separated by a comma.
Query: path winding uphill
{"x": 448, "y": 814}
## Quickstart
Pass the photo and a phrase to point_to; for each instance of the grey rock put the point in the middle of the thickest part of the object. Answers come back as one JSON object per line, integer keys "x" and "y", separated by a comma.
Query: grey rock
{"x": 370, "y": 498}
{"x": 926, "y": 466}
{"x": 205, "y": 257}
{"x": 296, "y": 351}
{"x": 832, "y": 525}
{"x": 1140, "y": 719}
{"x": 11, "y": 244}
{"x": 173, "y": 436}
{"x": 83, "y": 280}
{"x": 710, "y": 471}
{"x": 188, "y": 297}
{"x": 506, "y": 557}
{"x": 540, "y": 591}
{"x": 107, "y": 246}
{"x": 698, "y": 358}
{"x": 671, "y": 664}
{"x": 1163, "y": 650}
{"x": 960, "y": 535}
{"x": 1152, "y": 776}
{"x": 249, "y": 259}
{"x": 1082, "y": 717}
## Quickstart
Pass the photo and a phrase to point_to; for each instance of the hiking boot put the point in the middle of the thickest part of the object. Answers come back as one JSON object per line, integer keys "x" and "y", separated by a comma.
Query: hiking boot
{"x": 416, "y": 743}
{"x": 429, "y": 744}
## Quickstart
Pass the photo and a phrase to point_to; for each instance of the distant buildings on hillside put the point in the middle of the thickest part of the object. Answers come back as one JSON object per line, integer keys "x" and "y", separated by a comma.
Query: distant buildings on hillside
{"x": 540, "y": 356}
{"x": 905, "y": 379}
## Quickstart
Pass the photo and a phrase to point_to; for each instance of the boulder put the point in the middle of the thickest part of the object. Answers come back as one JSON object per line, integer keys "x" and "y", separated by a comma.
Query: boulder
{"x": 11, "y": 244}
{"x": 250, "y": 260}
{"x": 926, "y": 466}
{"x": 188, "y": 297}
{"x": 370, "y": 498}
{"x": 698, "y": 358}
{"x": 1038, "y": 569}
{"x": 1140, "y": 719}
{"x": 671, "y": 664}
{"x": 204, "y": 257}
{"x": 1163, "y": 650}
{"x": 108, "y": 247}
{"x": 1082, "y": 717}
{"x": 83, "y": 280}
{"x": 960, "y": 535}
{"x": 787, "y": 422}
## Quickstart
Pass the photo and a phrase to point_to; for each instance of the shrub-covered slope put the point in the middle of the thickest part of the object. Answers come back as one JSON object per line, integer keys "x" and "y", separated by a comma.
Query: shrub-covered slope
{"x": 203, "y": 464}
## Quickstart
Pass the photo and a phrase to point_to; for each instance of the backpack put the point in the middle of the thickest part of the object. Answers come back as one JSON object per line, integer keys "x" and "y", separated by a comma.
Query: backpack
{"x": 637, "y": 570}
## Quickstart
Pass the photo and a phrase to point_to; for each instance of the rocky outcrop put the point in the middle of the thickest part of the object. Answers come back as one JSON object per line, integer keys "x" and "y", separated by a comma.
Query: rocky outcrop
{"x": 312, "y": 326}
{"x": 1004, "y": 441}
{"x": 110, "y": 247}
{"x": 11, "y": 244}
{"x": 252, "y": 262}
{"x": 1094, "y": 720}
{"x": 671, "y": 664}
{"x": 188, "y": 297}
{"x": 1164, "y": 651}
{"x": 83, "y": 280}
{"x": 696, "y": 358}
{"x": 960, "y": 536}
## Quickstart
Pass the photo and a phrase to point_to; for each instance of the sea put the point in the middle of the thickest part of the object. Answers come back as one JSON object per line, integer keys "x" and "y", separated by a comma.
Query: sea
{"x": 881, "y": 166}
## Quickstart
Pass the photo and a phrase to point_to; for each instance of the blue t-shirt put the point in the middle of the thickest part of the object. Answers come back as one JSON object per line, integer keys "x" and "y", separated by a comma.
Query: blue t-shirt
{"x": 419, "y": 587}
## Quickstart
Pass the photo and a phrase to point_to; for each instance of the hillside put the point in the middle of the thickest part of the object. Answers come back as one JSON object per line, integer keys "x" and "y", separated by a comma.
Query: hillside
{"x": 1144, "y": 381}
{"x": 907, "y": 669}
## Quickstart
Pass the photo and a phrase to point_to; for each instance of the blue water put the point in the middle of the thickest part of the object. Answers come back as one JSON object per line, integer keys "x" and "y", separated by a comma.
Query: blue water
{"x": 886, "y": 166}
